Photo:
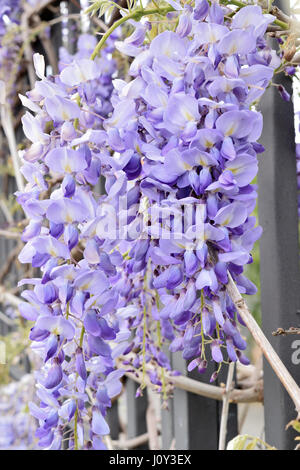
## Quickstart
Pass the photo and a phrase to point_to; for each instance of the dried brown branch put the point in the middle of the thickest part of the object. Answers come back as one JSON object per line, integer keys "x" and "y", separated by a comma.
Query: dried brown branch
{"x": 151, "y": 423}
{"x": 249, "y": 375}
{"x": 225, "y": 408}
{"x": 282, "y": 332}
{"x": 280, "y": 15}
{"x": 8, "y": 297}
{"x": 273, "y": 28}
{"x": 32, "y": 10}
{"x": 8, "y": 321}
{"x": 7, "y": 125}
{"x": 48, "y": 47}
{"x": 8, "y": 262}
{"x": 255, "y": 393}
{"x": 251, "y": 395}
{"x": 99, "y": 23}
{"x": 10, "y": 235}
{"x": 6, "y": 212}
{"x": 272, "y": 357}
{"x": 131, "y": 443}
{"x": 27, "y": 50}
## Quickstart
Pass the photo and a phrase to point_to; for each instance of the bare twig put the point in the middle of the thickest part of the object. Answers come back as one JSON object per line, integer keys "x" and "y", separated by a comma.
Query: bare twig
{"x": 41, "y": 5}
{"x": 48, "y": 47}
{"x": 7, "y": 124}
{"x": 280, "y": 15}
{"x": 272, "y": 357}
{"x": 99, "y": 23}
{"x": 8, "y": 262}
{"x": 10, "y": 235}
{"x": 27, "y": 50}
{"x": 151, "y": 423}
{"x": 6, "y": 212}
{"x": 225, "y": 408}
{"x": 131, "y": 443}
{"x": 108, "y": 442}
{"x": 254, "y": 376}
{"x": 251, "y": 395}
{"x": 173, "y": 444}
{"x": 291, "y": 331}
{"x": 8, "y": 321}
{"x": 9, "y": 298}
{"x": 272, "y": 28}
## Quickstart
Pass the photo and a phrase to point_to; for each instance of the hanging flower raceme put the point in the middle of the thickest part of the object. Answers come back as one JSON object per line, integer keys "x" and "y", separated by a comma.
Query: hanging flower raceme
{"x": 17, "y": 427}
{"x": 71, "y": 304}
{"x": 148, "y": 261}
{"x": 184, "y": 134}
{"x": 10, "y": 42}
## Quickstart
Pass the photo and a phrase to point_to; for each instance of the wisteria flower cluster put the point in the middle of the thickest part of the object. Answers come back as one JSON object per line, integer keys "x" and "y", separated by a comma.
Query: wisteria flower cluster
{"x": 10, "y": 14}
{"x": 11, "y": 41}
{"x": 17, "y": 426}
{"x": 148, "y": 261}
{"x": 68, "y": 334}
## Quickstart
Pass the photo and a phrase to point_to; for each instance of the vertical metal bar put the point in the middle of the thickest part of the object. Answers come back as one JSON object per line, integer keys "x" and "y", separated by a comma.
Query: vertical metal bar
{"x": 279, "y": 255}
{"x": 192, "y": 420}
{"x": 136, "y": 412}
{"x": 196, "y": 419}
{"x": 113, "y": 420}
{"x": 167, "y": 425}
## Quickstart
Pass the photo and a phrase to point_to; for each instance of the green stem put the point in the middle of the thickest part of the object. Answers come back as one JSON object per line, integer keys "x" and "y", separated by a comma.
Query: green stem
{"x": 140, "y": 12}
{"x": 76, "y": 411}
{"x": 75, "y": 428}
{"x": 136, "y": 15}
{"x": 81, "y": 336}
{"x": 143, "y": 385}
{"x": 159, "y": 344}
{"x": 282, "y": 24}
{"x": 202, "y": 332}
{"x": 237, "y": 3}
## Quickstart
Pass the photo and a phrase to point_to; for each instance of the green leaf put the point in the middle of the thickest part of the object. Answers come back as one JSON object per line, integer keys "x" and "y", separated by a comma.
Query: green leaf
{"x": 295, "y": 425}
{"x": 252, "y": 444}
{"x": 238, "y": 442}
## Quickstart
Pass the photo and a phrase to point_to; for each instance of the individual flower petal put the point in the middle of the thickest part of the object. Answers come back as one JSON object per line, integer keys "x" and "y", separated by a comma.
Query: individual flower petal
{"x": 231, "y": 215}
{"x": 57, "y": 325}
{"x": 98, "y": 346}
{"x": 55, "y": 376}
{"x": 99, "y": 425}
{"x": 39, "y": 65}
{"x": 64, "y": 160}
{"x": 79, "y": 72}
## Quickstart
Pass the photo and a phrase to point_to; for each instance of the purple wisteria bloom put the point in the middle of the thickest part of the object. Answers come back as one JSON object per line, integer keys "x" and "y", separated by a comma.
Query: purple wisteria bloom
{"x": 145, "y": 261}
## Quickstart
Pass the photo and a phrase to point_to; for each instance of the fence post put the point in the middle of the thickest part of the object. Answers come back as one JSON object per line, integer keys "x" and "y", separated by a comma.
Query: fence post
{"x": 195, "y": 420}
{"x": 167, "y": 425}
{"x": 279, "y": 256}
{"x": 136, "y": 411}
{"x": 167, "y": 414}
{"x": 113, "y": 420}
